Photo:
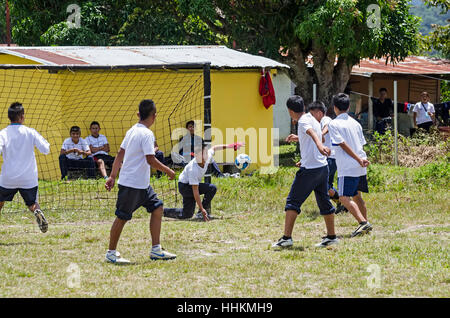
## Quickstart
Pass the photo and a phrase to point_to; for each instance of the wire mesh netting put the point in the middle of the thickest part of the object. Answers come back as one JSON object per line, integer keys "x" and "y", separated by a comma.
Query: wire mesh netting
{"x": 54, "y": 101}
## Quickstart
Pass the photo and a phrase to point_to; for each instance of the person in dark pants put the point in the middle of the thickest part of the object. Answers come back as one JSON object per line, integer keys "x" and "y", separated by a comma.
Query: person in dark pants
{"x": 191, "y": 187}
{"x": 72, "y": 152}
{"x": 382, "y": 107}
{"x": 99, "y": 146}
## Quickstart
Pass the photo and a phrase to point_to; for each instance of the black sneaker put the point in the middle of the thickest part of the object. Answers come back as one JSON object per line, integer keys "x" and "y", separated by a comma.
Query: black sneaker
{"x": 362, "y": 229}
{"x": 327, "y": 242}
{"x": 41, "y": 221}
{"x": 282, "y": 243}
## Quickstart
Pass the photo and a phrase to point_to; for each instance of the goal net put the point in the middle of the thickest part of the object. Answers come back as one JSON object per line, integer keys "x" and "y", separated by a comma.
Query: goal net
{"x": 57, "y": 98}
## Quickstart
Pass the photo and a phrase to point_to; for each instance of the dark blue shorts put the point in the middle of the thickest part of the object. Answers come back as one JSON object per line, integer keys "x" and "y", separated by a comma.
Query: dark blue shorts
{"x": 131, "y": 199}
{"x": 349, "y": 186}
{"x": 28, "y": 195}
{"x": 332, "y": 168}
{"x": 305, "y": 182}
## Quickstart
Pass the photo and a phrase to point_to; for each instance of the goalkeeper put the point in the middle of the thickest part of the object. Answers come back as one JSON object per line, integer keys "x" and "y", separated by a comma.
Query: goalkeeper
{"x": 191, "y": 187}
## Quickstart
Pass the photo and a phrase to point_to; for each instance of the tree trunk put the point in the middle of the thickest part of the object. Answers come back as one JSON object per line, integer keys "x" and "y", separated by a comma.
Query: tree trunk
{"x": 331, "y": 76}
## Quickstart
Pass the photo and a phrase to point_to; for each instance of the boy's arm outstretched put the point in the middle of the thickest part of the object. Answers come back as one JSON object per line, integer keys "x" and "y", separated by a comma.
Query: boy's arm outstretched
{"x": 235, "y": 145}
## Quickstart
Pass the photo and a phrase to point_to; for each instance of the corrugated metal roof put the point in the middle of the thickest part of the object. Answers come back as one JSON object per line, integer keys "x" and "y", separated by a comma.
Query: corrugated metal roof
{"x": 411, "y": 65}
{"x": 218, "y": 56}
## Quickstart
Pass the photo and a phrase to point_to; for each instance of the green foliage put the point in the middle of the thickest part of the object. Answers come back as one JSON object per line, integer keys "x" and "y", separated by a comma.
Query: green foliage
{"x": 445, "y": 91}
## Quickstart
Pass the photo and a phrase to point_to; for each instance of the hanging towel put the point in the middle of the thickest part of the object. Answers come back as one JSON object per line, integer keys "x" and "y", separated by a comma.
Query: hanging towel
{"x": 266, "y": 89}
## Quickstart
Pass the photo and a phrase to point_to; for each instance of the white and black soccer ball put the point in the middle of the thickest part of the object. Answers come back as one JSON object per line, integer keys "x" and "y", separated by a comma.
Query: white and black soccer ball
{"x": 242, "y": 161}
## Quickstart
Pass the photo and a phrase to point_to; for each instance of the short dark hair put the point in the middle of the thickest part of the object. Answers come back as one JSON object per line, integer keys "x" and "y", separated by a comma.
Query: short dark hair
{"x": 341, "y": 101}
{"x": 383, "y": 90}
{"x": 296, "y": 104}
{"x": 75, "y": 129}
{"x": 94, "y": 123}
{"x": 15, "y": 111}
{"x": 317, "y": 105}
{"x": 146, "y": 109}
{"x": 191, "y": 122}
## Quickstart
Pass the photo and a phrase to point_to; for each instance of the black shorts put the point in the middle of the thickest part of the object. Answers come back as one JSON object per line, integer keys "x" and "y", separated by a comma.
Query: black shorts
{"x": 28, "y": 195}
{"x": 131, "y": 199}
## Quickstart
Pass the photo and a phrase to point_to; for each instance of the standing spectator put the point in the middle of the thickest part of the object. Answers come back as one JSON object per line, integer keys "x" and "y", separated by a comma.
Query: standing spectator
{"x": 423, "y": 112}
{"x": 383, "y": 107}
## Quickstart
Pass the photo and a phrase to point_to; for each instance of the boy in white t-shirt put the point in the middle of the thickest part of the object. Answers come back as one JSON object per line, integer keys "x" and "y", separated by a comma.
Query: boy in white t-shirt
{"x": 334, "y": 195}
{"x": 71, "y": 156}
{"x": 99, "y": 146}
{"x": 138, "y": 154}
{"x": 424, "y": 112}
{"x": 19, "y": 170}
{"x": 348, "y": 140}
{"x": 191, "y": 187}
{"x": 313, "y": 172}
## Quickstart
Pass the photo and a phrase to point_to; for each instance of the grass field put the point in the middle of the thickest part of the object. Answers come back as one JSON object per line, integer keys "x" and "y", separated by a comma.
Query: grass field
{"x": 230, "y": 256}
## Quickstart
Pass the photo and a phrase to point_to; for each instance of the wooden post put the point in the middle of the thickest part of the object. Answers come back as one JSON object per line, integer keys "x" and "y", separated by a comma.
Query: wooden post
{"x": 395, "y": 125}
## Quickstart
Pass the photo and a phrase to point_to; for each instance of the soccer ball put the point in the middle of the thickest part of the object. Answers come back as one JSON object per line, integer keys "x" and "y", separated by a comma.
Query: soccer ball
{"x": 242, "y": 161}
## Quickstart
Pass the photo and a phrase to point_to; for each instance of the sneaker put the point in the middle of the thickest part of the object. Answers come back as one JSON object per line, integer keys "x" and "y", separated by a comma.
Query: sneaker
{"x": 41, "y": 221}
{"x": 115, "y": 258}
{"x": 199, "y": 216}
{"x": 282, "y": 243}
{"x": 340, "y": 208}
{"x": 161, "y": 254}
{"x": 362, "y": 229}
{"x": 327, "y": 241}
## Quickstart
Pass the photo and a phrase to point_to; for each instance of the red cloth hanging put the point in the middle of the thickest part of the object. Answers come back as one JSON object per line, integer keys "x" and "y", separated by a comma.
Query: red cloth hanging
{"x": 266, "y": 89}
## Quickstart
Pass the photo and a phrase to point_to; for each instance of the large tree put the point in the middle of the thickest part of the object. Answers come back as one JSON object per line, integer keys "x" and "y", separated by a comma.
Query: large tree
{"x": 336, "y": 33}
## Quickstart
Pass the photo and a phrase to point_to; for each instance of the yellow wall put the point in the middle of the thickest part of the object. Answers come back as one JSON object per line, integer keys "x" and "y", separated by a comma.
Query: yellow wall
{"x": 236, "y": 103}
{"x": 55, "y": 102}
{"x": 12, "y": 59}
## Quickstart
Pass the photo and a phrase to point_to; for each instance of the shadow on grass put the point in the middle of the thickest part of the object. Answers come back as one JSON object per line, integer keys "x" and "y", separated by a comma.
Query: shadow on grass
{"x": 311, "y": 215}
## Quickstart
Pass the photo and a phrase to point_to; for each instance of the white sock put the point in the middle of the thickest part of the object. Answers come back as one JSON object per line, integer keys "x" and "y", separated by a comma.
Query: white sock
{"x": 156, "y": 247}
{"x": 111, "y": 251}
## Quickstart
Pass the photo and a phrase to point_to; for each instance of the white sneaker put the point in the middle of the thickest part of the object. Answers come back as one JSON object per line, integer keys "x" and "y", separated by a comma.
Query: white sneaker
{"x": 282, "y": 243}
{"x": 115, "y": 258}
{"x": 161, "y": 254}
{"x": 327, "y": 242}
{"x": 41, "y": 221}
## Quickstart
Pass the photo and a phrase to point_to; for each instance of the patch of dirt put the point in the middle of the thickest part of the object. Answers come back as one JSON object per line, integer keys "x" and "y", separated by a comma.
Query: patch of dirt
{"x": 417, "y": 156}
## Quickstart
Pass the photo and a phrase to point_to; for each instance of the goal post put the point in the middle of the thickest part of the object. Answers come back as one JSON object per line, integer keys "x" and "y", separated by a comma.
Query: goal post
{"x": 56, "y": 98}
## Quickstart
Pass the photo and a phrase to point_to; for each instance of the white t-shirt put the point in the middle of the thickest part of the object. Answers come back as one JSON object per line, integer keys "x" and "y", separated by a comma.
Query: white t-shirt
{"x": 345, "y": 129}
{"x": 69, "y": 144}
{"x": 325, "y": 121}
{"x": 139, "y": 142}
{"x": 192, "y": 174}
{"x": 97, "y": 142}
{"x": 19, "y": 169}
{"x": 311, "y": 157}
{"x": 422, "y": 115}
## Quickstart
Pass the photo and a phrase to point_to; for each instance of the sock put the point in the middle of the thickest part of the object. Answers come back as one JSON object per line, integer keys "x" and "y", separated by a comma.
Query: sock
{"x": 286, "y": 237}
{"x": 363, "y": 223}
{"x": 156, "y": 247}
{"x": 105, "y": 177}
{"x": 111, "y": 251}
{"x": 331, "y": 237}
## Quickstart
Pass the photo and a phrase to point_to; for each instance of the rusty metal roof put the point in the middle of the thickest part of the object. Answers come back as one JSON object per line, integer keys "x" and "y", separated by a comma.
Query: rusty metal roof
{"x": 411, "y": 65}
{"x": 218, "y": 56}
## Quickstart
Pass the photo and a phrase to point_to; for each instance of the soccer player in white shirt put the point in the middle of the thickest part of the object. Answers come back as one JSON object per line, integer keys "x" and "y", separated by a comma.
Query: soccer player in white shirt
{"x": 71, "y": 156}
{"x": 191, "y": 187}
{"x": 19, "y": 170}
{"x": 348, "y": 140}
{"x": 424, "y": 112}
{"x": 138, "y": 154}
{"x": 313, "y": 172}
{"x": 99, "y": 147}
